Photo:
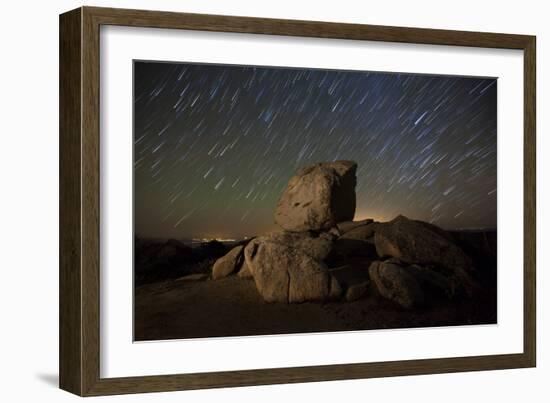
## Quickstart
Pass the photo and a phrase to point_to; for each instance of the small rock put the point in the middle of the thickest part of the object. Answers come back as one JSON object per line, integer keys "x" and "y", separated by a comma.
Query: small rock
{"x": 395, "y": 283}
{"x": 362, "y": 233}
{"x": 229, "y": 263}
{"x": 347, "y": 226}
{"x": 335, "y": 232}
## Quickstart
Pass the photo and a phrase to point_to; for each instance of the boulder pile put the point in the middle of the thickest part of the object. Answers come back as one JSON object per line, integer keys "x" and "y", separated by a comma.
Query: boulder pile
{"x": 321, "y": 254}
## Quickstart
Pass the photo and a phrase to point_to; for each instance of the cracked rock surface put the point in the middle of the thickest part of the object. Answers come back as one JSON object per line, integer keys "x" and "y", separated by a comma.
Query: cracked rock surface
{"x": 283, "y": 273}
{"x": 318, "y": 197}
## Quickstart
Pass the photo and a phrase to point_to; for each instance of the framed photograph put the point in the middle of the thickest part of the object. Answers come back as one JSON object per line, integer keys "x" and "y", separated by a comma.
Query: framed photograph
{"x": 249, "y": 201}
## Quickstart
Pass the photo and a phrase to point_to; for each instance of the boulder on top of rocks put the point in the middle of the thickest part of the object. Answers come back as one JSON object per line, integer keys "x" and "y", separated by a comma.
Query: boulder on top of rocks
{"x": 229, "y": 263}
{"x": 283, "y": 273}
{"x": 318, "y": 197}
{"x": 395, "y": 283}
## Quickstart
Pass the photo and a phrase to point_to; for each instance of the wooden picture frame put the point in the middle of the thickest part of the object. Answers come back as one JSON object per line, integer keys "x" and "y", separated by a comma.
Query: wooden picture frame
{"x": 79, "y": 346}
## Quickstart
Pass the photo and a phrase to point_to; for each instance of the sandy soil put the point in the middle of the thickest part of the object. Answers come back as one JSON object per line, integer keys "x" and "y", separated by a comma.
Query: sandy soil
{"x": 179, "y": 309}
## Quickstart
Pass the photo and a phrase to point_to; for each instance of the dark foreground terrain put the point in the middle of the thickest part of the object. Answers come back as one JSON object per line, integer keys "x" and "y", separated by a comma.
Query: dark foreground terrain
{"x": 178, "y": 301}
{"x": 231, "y": 306}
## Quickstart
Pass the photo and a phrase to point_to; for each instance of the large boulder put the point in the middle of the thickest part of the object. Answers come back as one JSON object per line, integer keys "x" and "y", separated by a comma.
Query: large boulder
{"x": 229, "y": 263}
{"x": 413, "y": 241}
{"x": 396, "y": 283}
{"x": 318, "y": 197}
{"x": 283, "y": 273}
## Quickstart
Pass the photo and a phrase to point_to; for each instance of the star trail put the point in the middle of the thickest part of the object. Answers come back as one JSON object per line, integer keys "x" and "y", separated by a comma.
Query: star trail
{"x": 215, "y": 145}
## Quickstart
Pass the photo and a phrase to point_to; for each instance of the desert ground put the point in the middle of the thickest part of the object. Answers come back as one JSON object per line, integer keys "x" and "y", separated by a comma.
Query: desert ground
{"x": 181, "y": 309}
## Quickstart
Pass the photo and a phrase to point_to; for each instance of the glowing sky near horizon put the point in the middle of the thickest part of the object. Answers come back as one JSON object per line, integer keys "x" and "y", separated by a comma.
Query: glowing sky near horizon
{"x": 215, "y": 145}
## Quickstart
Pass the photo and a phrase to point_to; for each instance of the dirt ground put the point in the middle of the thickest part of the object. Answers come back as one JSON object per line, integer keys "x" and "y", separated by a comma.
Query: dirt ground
{"x": 180, "y": 309}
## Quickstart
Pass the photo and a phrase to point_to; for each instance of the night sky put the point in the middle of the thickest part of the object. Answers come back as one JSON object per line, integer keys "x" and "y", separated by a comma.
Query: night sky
{"x": 215, "y": 145}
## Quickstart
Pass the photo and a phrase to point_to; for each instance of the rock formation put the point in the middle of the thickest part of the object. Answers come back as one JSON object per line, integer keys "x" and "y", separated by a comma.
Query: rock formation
{"x": 418, "y": 242}
{"x": 321, "y": 254}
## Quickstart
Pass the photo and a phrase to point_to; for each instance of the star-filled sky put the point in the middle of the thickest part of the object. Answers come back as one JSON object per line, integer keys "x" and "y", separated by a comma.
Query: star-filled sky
{"x": 215, "y": 145}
